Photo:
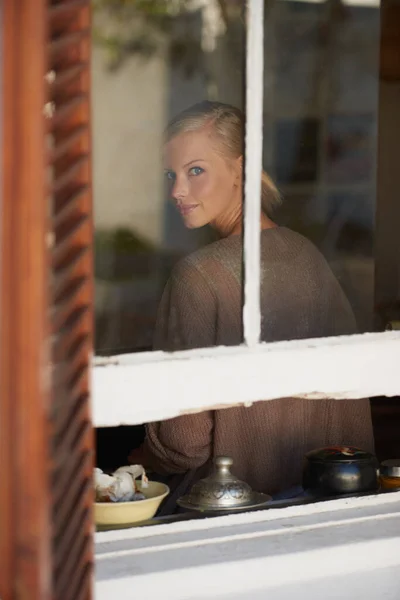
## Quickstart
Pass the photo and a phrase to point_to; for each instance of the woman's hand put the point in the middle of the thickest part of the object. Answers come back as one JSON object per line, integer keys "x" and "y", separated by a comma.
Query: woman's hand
{"x": 136, "y": 457}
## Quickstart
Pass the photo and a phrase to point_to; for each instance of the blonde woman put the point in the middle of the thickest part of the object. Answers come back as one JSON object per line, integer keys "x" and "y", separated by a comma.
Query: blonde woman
{"x": 201, "y": 306}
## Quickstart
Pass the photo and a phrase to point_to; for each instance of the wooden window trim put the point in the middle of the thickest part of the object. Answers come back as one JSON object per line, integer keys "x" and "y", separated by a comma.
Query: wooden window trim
{"x": 46, "y": 283}
{"x": 25, "y": 389}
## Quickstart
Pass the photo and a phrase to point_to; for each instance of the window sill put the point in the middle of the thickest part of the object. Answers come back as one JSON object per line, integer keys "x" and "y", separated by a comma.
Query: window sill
{"x": 348, "y": 548}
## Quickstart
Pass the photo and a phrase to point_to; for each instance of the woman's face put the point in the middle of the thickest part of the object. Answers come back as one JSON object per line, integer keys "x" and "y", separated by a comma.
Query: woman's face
{"x": 205, "y": 186}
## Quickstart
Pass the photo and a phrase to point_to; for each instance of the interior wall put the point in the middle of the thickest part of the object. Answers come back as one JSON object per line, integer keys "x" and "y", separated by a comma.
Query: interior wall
{"x": 129, "y": 115}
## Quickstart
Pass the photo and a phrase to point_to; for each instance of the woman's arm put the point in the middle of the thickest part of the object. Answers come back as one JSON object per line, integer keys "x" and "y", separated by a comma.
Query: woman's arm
{"x": 179, "y": 445}
{"x": 186, "y": 319}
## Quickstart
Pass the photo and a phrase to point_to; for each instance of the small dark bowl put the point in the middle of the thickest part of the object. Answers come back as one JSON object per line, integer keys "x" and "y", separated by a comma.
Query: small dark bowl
{"x": 340, "y": 470}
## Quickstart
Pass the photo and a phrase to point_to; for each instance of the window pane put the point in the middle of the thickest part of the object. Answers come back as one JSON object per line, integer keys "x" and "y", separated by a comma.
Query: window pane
{"x": 151, "y": 60}
{"x": 320, "y": 147}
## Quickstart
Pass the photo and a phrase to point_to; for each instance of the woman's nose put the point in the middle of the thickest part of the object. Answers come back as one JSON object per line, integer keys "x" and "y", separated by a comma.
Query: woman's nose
{"x": 180, "y": 189}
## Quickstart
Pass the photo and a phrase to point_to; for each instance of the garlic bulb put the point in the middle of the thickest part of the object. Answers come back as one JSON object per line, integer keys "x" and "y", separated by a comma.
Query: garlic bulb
{"x": 120, "y": 486}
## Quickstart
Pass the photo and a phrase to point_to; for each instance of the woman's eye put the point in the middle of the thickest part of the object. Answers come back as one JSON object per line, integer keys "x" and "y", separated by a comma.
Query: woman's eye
{"x": 170, "y": 175}
{"x": 196, "y": 171}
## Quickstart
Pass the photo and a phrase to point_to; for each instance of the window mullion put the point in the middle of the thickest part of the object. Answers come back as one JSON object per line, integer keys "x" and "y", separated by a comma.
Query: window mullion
{"x": 253, "y": 169}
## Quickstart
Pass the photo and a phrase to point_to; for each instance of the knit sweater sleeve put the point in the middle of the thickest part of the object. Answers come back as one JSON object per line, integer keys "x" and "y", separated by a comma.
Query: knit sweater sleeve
{"x": 186, "y": 319}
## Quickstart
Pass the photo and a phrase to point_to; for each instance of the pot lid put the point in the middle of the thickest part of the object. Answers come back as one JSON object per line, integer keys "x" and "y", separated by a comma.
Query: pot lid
{"x": 391, "y": 467}
{"x": 339, "y": 454}
{"x": 222, "y": 491}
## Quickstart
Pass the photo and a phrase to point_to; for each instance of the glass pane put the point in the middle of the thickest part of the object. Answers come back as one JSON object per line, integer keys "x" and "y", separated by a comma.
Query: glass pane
{"x": 151, "y": 60}
{"x": 320, "y": 147}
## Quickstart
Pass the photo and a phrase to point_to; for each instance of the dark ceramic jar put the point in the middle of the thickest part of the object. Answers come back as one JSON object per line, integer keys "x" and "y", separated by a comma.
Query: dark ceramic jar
{"x": 340, "y": 470}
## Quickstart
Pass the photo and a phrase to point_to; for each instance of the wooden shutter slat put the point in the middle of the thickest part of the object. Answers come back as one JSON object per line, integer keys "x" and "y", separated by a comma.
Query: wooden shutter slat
{"x": 63, "y": 42}
{"x": 72, "y": 491}
{"x": 70, "y": 172}
{"x": 64, "y": 265}
{"x": 72, "y": 359}
{"x": 61, "y": 410}
{"x": 65, "y": 76}
{"x": 64, "y": 447}
{"x": 68, "y": 583}
{"x": 65, "y": 235}
{"x": 75, "y": 522}
{"x": 63, "y": 8}
{"x": 66, "y": 204}
{"x": 69, "y": 483}
{"x": 66, "y": 109}
{"x": 62, "y": 339}
{"x": 66, "y": 303}
{"x": 68, "y": 364}
{"x": 77, "y": 347}
{"x": 62, "y": 351}
{"x": 75, "y": 385}
{"x": 66, "y": 144}
{"x": 69, "y": 489}
{"x": 82, "y": 586}
{"x": 64, "y": 268}
{"x": 68, "y": 294}
{"x": 65, "y": 576}
{"x": 66, "y": 430}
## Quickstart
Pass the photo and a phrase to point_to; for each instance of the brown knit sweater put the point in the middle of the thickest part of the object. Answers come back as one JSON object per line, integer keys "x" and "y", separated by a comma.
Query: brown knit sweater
{"x": 201, "y": 306}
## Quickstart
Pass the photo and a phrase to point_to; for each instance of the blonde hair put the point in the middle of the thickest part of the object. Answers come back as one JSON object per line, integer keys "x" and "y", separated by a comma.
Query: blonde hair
{"x": 228, "y": 125}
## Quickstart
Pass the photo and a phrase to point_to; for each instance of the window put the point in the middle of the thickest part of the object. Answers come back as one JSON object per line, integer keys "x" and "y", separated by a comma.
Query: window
{"x": 46, "y": 301}
{"x": 255, "y": 371}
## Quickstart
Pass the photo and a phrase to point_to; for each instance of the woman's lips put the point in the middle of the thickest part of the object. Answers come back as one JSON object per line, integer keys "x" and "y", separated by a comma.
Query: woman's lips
{"x": 187, "y": 208}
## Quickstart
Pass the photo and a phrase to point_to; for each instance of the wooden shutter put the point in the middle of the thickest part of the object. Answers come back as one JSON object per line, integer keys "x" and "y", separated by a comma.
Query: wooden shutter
{"x": 46, "y": 303}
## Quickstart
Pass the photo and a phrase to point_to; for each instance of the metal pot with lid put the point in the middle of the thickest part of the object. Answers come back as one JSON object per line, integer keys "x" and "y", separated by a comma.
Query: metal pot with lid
{"x": 340, "y": 470}
{"x": 222, "y": 491}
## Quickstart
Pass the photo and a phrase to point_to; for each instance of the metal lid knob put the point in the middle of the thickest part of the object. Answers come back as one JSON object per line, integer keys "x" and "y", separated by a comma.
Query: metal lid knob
{"x": 223, "y": 466}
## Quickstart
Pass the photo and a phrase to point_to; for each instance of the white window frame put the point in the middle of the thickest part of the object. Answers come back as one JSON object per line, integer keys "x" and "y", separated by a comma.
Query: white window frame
{"x": 353, "y": 545}
{"x": 137, "y": 388}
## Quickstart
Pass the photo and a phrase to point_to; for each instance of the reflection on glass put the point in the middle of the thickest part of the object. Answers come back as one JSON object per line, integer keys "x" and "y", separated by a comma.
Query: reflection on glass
{"x": 150, "y": 61}
{"x": 322, "y": 63}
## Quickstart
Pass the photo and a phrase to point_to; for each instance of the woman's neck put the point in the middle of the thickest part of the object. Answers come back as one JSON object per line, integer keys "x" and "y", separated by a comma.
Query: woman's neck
{"x": 233, "y": 224}
{"x": 230, "y": 223}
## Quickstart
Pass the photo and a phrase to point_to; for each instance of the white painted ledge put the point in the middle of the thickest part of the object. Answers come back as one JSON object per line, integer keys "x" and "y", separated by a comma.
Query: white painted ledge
{"x": 138, "y": 388}
{"x": 345, "y": 549}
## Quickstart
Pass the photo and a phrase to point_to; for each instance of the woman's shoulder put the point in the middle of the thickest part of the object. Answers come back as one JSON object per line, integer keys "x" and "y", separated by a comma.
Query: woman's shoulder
{"x": 284, "y": 244}
{"x": 277, "y": 244}
{"x": 287, "y": 239}
{"x": 207, "y": 257}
